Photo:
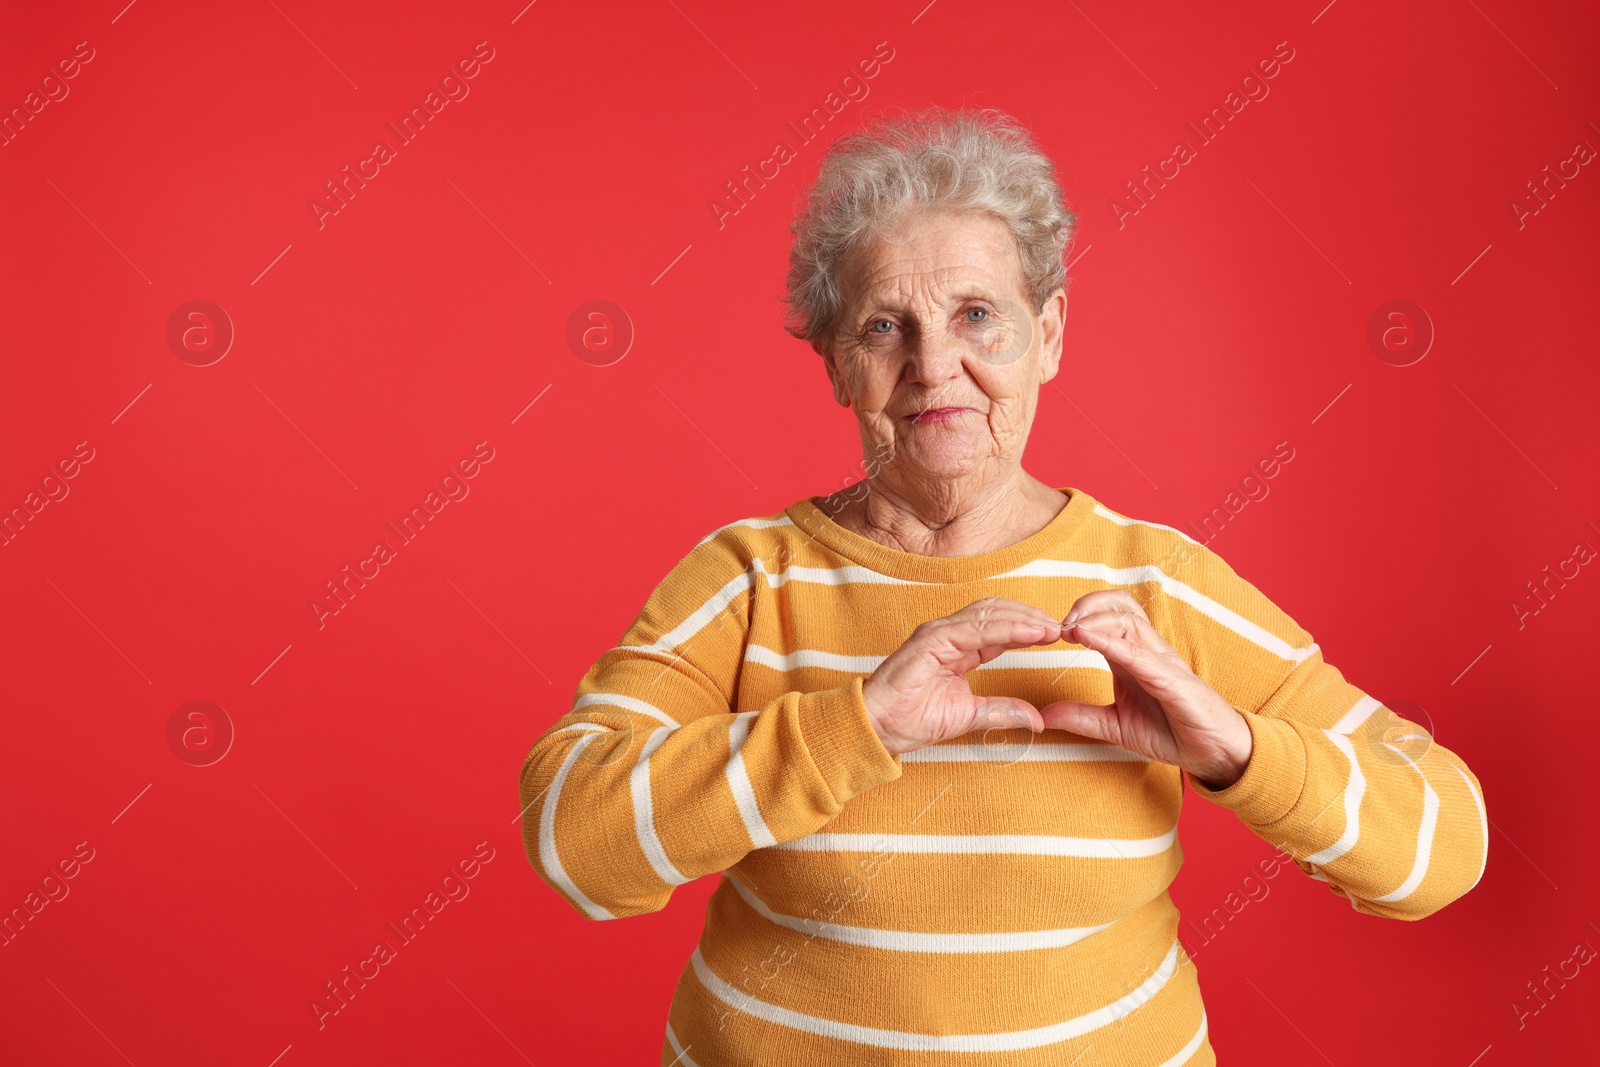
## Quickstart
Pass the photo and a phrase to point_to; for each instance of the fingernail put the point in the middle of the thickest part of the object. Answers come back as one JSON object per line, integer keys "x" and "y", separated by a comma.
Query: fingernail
{"x": 1070, "y": 619}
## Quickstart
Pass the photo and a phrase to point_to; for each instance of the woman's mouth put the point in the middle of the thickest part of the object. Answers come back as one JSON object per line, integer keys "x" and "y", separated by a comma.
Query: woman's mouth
{"x": 936, "y": 416}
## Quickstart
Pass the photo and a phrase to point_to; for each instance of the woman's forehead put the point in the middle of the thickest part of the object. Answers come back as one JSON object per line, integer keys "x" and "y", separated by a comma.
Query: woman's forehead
{"x": 934, "y": 257}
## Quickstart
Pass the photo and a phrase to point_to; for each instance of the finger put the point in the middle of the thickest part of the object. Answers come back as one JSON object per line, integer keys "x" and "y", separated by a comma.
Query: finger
{"x": 1001, "y": 713}
{"x": 1144, "y": 660}
{"x": 1005, "y": 628}
{"x": 1119, "y": 622}
{"x": 995, "y": 605}
{"x": 992, "y": 610}
{"x": 1098, "y": 721}
{"x": 1105, "y": 600}
{"x": 1103, "y": 634}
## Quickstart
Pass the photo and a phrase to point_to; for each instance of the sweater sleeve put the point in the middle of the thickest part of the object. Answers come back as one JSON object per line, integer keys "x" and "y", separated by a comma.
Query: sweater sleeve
{"x": 1361, "y": 798}
{"x": 652, "y": 779}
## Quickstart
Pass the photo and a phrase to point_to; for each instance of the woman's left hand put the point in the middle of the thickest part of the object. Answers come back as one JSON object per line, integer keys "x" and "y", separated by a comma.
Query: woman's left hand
{"x": 1161, "y": 708}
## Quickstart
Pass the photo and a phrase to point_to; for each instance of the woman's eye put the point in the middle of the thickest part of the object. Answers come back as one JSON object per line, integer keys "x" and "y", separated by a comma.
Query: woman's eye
{"x": 982, "y": 313}
{"x": 881, "y": 326}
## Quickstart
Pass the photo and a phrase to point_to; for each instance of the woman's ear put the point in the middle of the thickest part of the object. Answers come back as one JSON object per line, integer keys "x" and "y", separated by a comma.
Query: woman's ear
{"x": 1053, "y": 327}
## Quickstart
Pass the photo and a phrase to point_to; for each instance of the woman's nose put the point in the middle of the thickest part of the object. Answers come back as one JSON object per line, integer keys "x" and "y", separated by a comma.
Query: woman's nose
{"x": 934, "y": 357}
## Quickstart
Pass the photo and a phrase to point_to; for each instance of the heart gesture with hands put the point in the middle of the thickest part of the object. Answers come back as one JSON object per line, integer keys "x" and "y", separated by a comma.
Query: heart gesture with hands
{"x": 1160, "y": 708}
{"x": 919, "y": 696}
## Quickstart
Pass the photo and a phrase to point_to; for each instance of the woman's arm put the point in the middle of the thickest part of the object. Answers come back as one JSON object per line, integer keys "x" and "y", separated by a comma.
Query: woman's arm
{"x": 1361, "y": 798}
{"x": 651, "y": 780}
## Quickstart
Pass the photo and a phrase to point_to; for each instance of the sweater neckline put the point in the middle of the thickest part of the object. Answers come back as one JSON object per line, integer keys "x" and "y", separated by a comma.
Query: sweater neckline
{"x": 917, "y": 567}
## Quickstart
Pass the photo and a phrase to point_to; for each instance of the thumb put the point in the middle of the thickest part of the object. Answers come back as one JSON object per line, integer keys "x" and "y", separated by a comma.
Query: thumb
{"x": 1002, "y": 713}
{"x": 1086, "y": 720}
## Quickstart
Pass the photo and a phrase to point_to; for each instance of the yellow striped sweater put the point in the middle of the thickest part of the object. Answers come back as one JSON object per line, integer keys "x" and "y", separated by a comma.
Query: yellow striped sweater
{"x": 999, "y": 898}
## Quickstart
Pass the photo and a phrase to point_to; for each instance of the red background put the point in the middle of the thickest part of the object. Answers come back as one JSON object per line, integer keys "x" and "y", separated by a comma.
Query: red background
{"x": 372, "y": 754}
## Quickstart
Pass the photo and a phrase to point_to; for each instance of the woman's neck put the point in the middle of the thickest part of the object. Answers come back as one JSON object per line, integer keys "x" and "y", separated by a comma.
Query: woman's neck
{"x": 947, "y": 518}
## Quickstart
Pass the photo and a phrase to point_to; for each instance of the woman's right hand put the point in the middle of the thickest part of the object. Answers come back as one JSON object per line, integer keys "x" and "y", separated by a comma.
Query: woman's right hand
{"x": 919, "y": 695}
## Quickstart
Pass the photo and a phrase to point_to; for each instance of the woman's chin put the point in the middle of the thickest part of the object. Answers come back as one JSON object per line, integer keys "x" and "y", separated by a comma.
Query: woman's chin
{"x": 951, "y": 457}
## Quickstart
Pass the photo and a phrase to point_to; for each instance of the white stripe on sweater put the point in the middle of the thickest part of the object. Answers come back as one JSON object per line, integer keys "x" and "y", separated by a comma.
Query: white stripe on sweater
{"x": 677, "y": 1046}
{"x": 699, "y": 617}
{"x": 987, "y": 844}
{"x": 584, "y": 727}
{"x": 752, "y": 524}
{"x": 644, "y": 812}
{"x": 1047, "y": 659}
{"x": 805, "y": 657}
{"x": 547, "y": 835}
{"x": 1058, "y": 568}
{"x": 744, "y": 794}
{"x": 718, "y": 602}
{"x": 1183, "y": 1055}
{"x": 1035, "y": 752}
{"x": 1483, "y": 820}
{"x": 857, "y": 575}
{"x": 1122, "y": 520}
{"x": 852, "y": 574}
{"x": 1117, "y": 576}
{"x": 1353, "y": 719}
{"x": 1430, "y": 819}
{"x": 1051, "y": 659}
{"x": 627, "y": 703}
{"x": 1355, "y": 788}
{"x": 910, "y": 941}
{"x": 1004, "y": 1041}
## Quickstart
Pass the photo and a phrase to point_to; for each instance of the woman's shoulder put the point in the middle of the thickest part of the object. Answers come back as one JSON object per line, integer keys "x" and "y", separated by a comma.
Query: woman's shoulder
{"x": 1122, "y": 539}
{"x": 1143, "y": 550}
{"x": 741, "y": 530}
{"x": 1144, "y": 538}
{"x": 1197, "y": 583}
{"x": 742, "y": 546}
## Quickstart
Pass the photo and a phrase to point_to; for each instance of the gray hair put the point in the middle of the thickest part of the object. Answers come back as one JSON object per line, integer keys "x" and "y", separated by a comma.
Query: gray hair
{"x": 938, "y": 159}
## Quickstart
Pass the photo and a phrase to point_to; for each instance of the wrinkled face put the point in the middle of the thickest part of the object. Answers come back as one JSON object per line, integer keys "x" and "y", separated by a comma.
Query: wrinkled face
{"x": 938, "y": 350}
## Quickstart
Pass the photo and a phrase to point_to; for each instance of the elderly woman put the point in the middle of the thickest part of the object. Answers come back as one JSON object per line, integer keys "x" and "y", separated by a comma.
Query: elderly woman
{"x": 933, "y": 730}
